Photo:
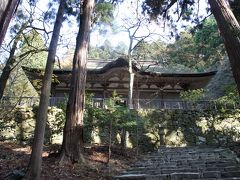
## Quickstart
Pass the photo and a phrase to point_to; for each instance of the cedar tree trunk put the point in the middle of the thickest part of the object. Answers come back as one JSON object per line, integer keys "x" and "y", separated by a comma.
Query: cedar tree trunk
{"x": 72, "y": 147}
{"x": 6, "y": 12}
{"x": 230, "y": 31}
{"x": 34, "y": 168}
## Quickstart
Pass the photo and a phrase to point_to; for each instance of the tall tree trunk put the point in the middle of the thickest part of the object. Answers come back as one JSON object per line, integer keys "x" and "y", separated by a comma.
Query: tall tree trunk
{"x": 11, "y": 61}
{"x": 230, "y": 31}
{"x": 3, "y": 7}
{"x": 131, "y": 74}
{"x": 34, "y": 168}
{"x": 6, "y": 13}
{"x": 72, "y": 147}
{"x": 131, "y": 83}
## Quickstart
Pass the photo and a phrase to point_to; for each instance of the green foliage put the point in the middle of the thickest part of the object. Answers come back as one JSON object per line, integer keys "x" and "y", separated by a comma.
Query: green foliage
{"x": 114, "y": 114}
{"x": 209, "y": 42}
{"x": 103, "y": 13}
{"x": 182, "y": 51}
{"x": 183, "y": 9}
{"x": 192, "y": 95}
{"x": 159, "y": 52}
{"x": 33, "y": 41}
{"x": 231, "y": 98}
{"x": 119, "y": 114}
{"x": 150, "y": 51}
{"x": 55, "y": 123}
{"x": 201, "y": 49}
{"x": 207, "y": 34}
{"x": 32, "y": 53}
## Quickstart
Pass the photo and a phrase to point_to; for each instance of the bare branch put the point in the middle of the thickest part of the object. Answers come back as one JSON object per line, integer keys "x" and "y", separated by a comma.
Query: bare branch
{"x": 58, "y": 60}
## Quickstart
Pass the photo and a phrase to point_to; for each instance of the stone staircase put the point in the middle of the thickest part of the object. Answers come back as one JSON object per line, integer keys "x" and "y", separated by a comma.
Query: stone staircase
{"x": 185, "y": 163}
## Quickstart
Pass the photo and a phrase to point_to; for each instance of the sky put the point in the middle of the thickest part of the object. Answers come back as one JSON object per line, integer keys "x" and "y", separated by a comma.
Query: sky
{"x": 123, "y": 12}
{"x": 118, "y": 34}
{"x": 126, "y": 10}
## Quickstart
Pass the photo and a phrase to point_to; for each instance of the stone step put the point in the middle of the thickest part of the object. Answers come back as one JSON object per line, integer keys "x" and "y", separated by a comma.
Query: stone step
{"x": 230, "y": 174}
{"x": 185, "y": 163}
{"x": 167, "y": 158}
{"x": 195, "y": 156}
{"x": 195, "y": 167}
{"x": 163, "y": 169}
{"x": 130, "y": 177}
{"x": 185, "y": 175}
{"x": 181, "y": 175}
{"x": 211, "y": 174}
{"x": 180, "y": 151}
{"x": 217, "y": 163}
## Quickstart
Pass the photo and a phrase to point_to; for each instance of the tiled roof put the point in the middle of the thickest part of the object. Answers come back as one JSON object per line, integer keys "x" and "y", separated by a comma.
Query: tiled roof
{"x": 142, "y": 67}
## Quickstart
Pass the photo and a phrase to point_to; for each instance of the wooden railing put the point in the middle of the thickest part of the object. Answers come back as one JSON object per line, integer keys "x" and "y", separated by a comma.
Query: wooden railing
{"x": 138, "y": 103}
{"x": 174, "y": 104}
{"x": 170, "y": 104}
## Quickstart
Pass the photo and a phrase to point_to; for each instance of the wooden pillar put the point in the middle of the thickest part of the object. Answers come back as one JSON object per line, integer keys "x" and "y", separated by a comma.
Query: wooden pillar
{"x": 53, "y": 89}
{"x": 105, "y": 92}
{"x": 135, "y": 94}
{"x": 136, "y": 102}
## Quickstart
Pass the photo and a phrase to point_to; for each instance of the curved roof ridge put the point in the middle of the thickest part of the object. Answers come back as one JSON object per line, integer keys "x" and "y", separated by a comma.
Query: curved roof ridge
{"x": 123, "y": 62}
{"x": 120, "y": 62}
{"x": 177, "y": 74}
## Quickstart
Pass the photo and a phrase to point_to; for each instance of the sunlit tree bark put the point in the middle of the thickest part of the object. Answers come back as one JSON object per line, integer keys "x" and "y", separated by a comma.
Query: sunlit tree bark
{"x": 72, "y": 147}
{"x": 230, "y": 31}
{"x": 7, "y": 8}
{"x": 34, "y": 168}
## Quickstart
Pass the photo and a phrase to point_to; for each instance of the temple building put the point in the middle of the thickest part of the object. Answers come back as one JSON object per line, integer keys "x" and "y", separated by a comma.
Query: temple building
{"x": 106, "y": 76}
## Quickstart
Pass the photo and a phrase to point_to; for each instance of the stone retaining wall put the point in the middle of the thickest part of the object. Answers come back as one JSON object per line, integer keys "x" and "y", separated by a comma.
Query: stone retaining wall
{"x": 20, "y": 126}
{"x": 185, "y": 127}
{"x": 178, "y": 127}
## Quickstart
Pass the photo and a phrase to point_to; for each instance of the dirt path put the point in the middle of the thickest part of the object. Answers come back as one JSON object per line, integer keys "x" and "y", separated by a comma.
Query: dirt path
{"x": 14, "y": 158}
